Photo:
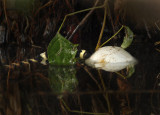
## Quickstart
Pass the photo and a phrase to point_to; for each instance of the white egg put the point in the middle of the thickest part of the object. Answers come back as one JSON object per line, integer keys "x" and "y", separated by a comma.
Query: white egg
{"x": 111, "y": 59}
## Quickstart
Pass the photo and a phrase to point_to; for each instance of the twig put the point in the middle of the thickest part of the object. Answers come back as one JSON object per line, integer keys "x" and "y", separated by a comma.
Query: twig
{"x": 83, "y": 21}
{"x": 45, "y": 5}
{"x": 5, "y": 12}
{"x": 90, "y": 74}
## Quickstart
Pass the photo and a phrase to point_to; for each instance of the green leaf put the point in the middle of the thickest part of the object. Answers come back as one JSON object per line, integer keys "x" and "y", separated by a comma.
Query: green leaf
{"x": 61, "y": 51}
{"x": 62, "y": 79}
{"x": 128, "y": 38}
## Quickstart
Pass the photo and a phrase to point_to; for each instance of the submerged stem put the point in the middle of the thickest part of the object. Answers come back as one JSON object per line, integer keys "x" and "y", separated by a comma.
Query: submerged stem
{"x": 81, "y": 112}
{"x": 120, "y": 75}
{"x": 106, "y": 96}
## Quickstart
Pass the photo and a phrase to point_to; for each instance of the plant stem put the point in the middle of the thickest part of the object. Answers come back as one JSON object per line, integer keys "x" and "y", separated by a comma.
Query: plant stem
{"x": 112, "y": 36}
{"x": 77, "y": 13}
{"x": 120, "y": 75}
{"x": 81, "y": 112}
{"x": 103, "y": 26}
{"x": 83, "y": 20}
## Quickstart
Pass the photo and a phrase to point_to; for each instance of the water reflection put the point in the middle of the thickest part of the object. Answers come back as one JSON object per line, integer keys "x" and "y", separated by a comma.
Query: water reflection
{"x": 27, "y": 95}
{"x": 62, "y": 78}
{"x": 38, "y": 89}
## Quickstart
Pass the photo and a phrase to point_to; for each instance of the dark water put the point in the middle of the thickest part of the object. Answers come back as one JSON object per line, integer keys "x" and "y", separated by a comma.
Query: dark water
{"x": 35, "y": 89}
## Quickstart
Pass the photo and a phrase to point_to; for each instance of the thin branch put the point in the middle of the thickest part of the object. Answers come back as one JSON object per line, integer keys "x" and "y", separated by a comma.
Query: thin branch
{"x": 83, "y": 21}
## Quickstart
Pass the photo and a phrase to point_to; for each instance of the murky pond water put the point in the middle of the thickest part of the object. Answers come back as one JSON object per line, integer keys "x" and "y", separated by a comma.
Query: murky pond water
{"x": 35, "y": 89}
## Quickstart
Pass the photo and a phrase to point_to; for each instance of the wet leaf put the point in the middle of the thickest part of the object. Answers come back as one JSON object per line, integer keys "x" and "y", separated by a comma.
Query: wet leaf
{"x": 128, "y": 38}
{"x": 61, "y": 51}
{"x": 131, "y": 70}
{"x": 62, "y": 78}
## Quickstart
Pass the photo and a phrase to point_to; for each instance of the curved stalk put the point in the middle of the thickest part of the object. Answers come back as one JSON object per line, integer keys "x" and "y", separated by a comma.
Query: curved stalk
{"x": 112, "y": 36}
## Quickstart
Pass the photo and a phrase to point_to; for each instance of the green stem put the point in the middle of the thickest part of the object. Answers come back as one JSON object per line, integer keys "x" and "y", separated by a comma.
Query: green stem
{"x": 112, "y": 36}
{"x": 102, "y": 29}
{"x": 120, "y": 75}
{"x": 106, "y": 96}
{"x": 77, "y": 13}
